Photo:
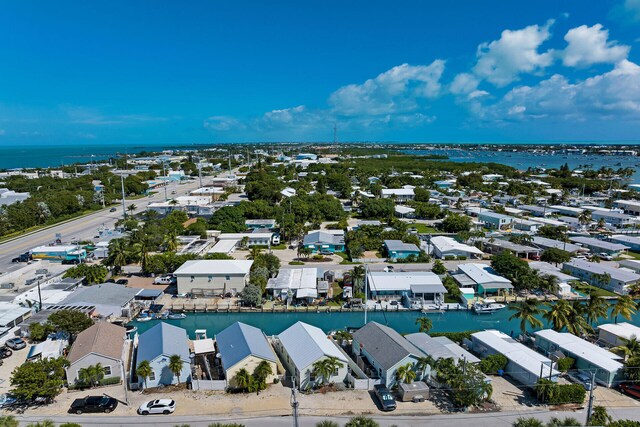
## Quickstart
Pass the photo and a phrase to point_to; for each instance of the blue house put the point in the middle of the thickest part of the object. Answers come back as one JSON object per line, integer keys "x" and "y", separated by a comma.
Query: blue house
{"x": 323, "y": 241}
{"x": 397, "y": 249}
{"x": 156, "y": 346}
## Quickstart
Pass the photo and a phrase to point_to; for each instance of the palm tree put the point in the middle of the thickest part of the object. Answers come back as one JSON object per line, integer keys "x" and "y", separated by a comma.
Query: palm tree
{"x": 243, "y": 379}
{"x": 44, "y": 423}
{"x": 262, "y": 372}
{"x": 528, "y": 311}
{"x": 625, "y": 307}
{"x": 549, "y": 282}
{"x": 141, "y": 251}
{"x": 585, "y": 217}
{"x": 91, "y": 374}
{"x": 361, "y": 421}
{"x": 558, "y": 315}
{"x": 599, "y": 417}
{"x": 175, "y": 366}
{"x": 357, "y": 275}
{"x": 596, "y": 308}
{"x": 132, "y": 208}
{"x": 630, "y": 347}
{"x": 406, "y": 374}
{"x": 254, "y": 252}
{"x": 423, "y": 363}
{"x": 171, "y": 241}
{"x": 325, "y": 423}
{"x": 425, "y": 324}
{"x": 577, "y": 321}
{"x": 144, "y": 370}
{"x": 9, "y": 421}
{"x": 117, "y": 254}
{"x": 325, "y": 368}
{"x": 528, "y": 422}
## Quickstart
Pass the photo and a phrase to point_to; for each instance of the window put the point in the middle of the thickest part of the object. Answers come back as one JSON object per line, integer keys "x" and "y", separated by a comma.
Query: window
{"x": 210, "y": 278}
{"x": 152, "y": 377}
{"x": 335, "y": 373}
{"x": 227, "y": 277}
{"x": 107, "y": 370}
{"x": 312, "y": 377}
{"x": 193, "y": 278}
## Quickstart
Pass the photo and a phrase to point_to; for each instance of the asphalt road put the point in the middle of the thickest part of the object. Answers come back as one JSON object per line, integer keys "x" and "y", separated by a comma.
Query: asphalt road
{"x": 81, "y": 228}
{"x": 496, "y": 419}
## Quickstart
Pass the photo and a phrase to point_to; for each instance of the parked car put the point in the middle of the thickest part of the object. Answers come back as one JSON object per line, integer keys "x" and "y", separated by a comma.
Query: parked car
{"x": 70, "y": 261}
{"x": 113, "y": 210}
{"x": 16, "y": 343}
{"x": 159, "y": 406}
{"x": 325, "y": 252}
{"x": 104, "y": 404}
{"x": 164, "y": 280}
{"x": 387, "y": 402}
{"x": 388, "y": 269}
{"x": 7, "y": 400}
{"x": 585, "y": 380}
{"x": 632, "y": 390}
{"x": 5, "y": 352}
{"x": 122, "y": 281}
{"x": 605, "y": 256}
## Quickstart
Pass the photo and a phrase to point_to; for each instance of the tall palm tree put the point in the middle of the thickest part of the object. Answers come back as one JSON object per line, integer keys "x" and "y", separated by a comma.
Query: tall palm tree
{"x": 424, "y": 323}
{"x": 9, "y": 421}
{"x": 406, "y": 374}
{"x": 171, "y": 241}
{"x": 625, "y": 307}
{"x": 577, "y": 320}
{"x": 175, "y": 365}
{"x": 558, "y": 314}
{"x": 262, "y": 372}
{"x": 117, "y": 254}
{"x": 141, "y": 251}
{"x": 528, "y": 311}
{"x": 243, "y": 379}
{"x": 131, "y": 208}
{"x": 423, "y": 363}
{"x": 144, "y": 370}
{"x": 630, "y": 348}
{"x": 254, "y": 252}
{"x": 549, "y": 282}
{"x": 357, "y": 275}
{"x": 92, "y": 374}
{"x": 596, "y": 308}
{"x": 585, "y": 217}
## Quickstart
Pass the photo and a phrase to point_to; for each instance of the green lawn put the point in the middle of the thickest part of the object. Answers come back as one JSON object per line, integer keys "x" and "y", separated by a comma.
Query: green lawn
{"x": 630, "y": 255}
{"x": 423, "y": 228}
{"x": 586, "y": 289}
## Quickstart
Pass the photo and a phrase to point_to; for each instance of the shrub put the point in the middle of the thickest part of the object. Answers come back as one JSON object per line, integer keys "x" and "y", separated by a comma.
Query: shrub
{"x": 558, "y": 394}
{"x": 449, "y": 257}
{"x": 462, "y": 257}
{"x": 565, "y": 363}
{"x": 110, "y": 381}
{"x": 493, "y": 363}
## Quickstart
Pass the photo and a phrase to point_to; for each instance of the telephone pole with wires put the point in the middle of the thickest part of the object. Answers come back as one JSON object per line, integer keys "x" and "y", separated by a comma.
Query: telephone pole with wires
{"x": 294, "y": 404}
{"x": 590, "y": 406}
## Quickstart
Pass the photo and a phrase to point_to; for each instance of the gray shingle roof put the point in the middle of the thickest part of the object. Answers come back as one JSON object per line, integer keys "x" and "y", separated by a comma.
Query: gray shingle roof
{"x": 399, "y": 245}
{"x": 239, "y": 341}
{"x": 384, "y": 344}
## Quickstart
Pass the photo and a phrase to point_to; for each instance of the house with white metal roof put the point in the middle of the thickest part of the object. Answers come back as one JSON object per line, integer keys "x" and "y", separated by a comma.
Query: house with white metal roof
{"x": 242, "y": 346}
{"x": 588, "y": 356}
{"x": 567, "y": 210}
{"x": 615, "y": 218}
{"x": 109, "y": 299}
{"x": 398, "y": 194}
{"x": 444, "y": 246}
{"x": 397, "y": 249}
{"x": 440, "y": 347}
{"x": 423, "y": 285}
{"x": 213, "y": 276}
{"x": 615, "y": 334}
{"x": 319, "y": 241}
{"x": 613, "y": 279}
{"x": 545, "y": 243}
{"x": 525, "y": 365}
{"x": 302, "y": 345}
{"x": 385, "y": 351}
{"x": 497, "y": 246}
{"x": 633, "y": 242}
{"x": 294, "y": 283}
{"x": 597, "y": 246}
{"x": 495, "y": 220}
{"x": 482, "y": 278}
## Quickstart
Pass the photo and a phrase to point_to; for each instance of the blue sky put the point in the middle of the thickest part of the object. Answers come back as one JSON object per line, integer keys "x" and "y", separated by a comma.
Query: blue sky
{"x": 163, "y": 72}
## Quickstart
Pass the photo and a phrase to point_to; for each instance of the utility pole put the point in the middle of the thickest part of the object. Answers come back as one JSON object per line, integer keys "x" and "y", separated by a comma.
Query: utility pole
{"x": 335, "y": 133}
{"x": 124, "y": 209}
{"x": 166, "y": 181}
{"x": 590, "y": 407}
{"x": 294, "y": 404}
{"x": 39, "y": 297}
{"x": 200, "y": 173}
{"x": 229, "y": 162}
{"x": 366, "y": 291}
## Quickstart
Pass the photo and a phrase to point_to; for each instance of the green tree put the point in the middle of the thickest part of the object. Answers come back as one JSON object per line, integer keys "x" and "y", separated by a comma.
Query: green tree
{"x": 599, "y": 417}
{"x": 144, "y": 370}
{"x": 39, "y": 379}
{"x": 243, "y": 379}
{"x": 423, "y": 363}
{"x": 455, "y": 223}
{"x": 91, "y": 375}
{"x": 566, "y": 422}
{"x": 175, "y": 365}
{"x": 625, "y": 307}
{"x": 70, "y": 321}
{"x": 117, "y": 257}
{"x": 325, "y": 423}
{"x": 361, "y": 421}
{"x": 406, "y": 374}
{"x": 438, "y": 267}
{"x": 630, "y": 348}
{"x": 40, "y": 331}
{"x": 528, "y": 312}
{"x": 528, "y": 422}
{"x": 596, "y": 307}
{"x": 325, "y": 368}
{"x": 171, "y": 241}
{"x": 251, "y": 295}
{"x": 44, "y": 423}
{"x": 558, "y": 315}
{"x": 555, "y": 256}
{"x": 262, "y": 372}
{"x": 632, "y": 369}
{"x": 424, "y": 323}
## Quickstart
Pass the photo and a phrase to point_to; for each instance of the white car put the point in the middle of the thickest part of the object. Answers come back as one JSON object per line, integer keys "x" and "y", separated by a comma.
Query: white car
{"x": 159, "y": 406}
{"x": 163, "y": 280}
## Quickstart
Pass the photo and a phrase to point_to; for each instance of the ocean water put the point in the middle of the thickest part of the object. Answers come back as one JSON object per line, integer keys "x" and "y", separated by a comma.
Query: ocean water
{"x": 403, "y": 322}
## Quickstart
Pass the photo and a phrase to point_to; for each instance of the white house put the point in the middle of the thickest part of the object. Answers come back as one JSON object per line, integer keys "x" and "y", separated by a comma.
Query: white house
{"x": 217, "y": 276}
{"x": 446, "y": 246}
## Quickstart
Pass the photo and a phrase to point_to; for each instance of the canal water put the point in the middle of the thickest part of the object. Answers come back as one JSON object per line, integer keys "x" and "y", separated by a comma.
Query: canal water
{"x": 403, "y": 322}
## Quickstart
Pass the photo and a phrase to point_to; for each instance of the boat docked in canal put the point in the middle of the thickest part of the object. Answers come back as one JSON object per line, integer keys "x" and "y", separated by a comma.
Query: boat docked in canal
{"x": 488, "y": 306}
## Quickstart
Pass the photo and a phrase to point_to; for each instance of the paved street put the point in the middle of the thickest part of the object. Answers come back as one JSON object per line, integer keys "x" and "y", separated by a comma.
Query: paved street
{"x": 496, "y": 419}
{"x": 81, "y": 228}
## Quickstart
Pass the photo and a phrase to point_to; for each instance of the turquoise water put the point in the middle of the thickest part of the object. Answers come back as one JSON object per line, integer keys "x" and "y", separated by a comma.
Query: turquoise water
{"x": 403, "y": 322}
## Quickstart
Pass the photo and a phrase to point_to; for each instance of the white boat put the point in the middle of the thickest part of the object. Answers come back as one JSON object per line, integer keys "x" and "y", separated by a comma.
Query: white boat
{"x": 487, "y": 307}
{"x": 143, "y": 317}
{"x": 177, "y": 316}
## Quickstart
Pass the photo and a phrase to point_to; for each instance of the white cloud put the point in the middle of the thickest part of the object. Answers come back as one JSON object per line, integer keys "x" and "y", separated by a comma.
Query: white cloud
{"x": 632, "y": 9}
{"x": 464, "y": 83}
{"x": 400, "y": 89}
{"x": 222, "y": 123}
{"x": 614, "y": 95}
{"x": 590, "y": 45}
{"x": 502, "y": 61}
